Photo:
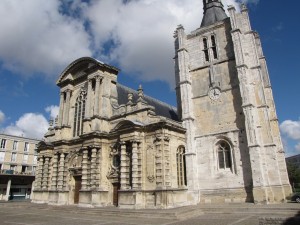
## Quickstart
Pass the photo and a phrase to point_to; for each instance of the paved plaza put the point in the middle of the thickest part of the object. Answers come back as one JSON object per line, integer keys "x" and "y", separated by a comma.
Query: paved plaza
{"x": 26, "y": 213}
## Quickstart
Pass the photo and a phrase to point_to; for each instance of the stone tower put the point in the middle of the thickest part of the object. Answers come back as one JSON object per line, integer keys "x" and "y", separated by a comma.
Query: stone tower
{"x": 234, "y": 152}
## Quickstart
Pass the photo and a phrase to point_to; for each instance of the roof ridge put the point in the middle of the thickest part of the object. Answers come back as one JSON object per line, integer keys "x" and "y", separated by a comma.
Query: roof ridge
{"x": 150, "y": 98}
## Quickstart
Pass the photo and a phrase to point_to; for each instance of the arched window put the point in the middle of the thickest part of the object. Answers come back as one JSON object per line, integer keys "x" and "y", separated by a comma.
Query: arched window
{"x": 224, "y": 155}
{"x": 205, "y": 49}
{"x": 181, "y": 167}
{"x": 79, "y": 114}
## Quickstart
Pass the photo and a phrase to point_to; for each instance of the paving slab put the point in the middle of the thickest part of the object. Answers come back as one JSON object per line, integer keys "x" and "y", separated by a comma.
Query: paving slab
{"x": 26, "y": 213}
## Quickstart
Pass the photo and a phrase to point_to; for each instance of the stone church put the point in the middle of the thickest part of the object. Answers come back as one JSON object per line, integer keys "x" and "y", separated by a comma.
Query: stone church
{"x": 112, "y": 145}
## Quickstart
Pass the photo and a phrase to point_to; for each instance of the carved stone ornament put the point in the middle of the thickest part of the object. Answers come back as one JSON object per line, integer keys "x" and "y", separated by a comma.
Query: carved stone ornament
{"x": 114, "y": 156}
{"x": 150, "y": 164}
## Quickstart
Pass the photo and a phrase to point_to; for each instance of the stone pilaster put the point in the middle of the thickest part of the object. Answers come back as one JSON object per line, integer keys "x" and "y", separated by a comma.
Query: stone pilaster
{"x": 45, "y": 174}
{"x": 94, "y": 169}
{"x": 60, "y": 179}
{"x": 97, "y": 95}
{"x": 54, "y": 173}
{"x": 88, "y": 100}
{"x": 65, "y": 173}
{"x": 61, "y": 109}
{"x": 84, "y": 178}
{"x": 39, "y": 175}
{"x": 135, "y": 167}
{"x": 158, "y": 162}
{"x": 98, "y": 169}
{"x": 123, "y": 170}
{"x": 67, "y": 108}
{"x": 166, "y": 162}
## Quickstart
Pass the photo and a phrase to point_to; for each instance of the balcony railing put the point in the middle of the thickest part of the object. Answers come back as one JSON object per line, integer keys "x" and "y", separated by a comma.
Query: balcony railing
{"x": 12, "y": 172}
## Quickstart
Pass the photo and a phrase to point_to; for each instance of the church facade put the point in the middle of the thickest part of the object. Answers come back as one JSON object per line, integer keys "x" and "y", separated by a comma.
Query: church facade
{"x": 112, "y": 145}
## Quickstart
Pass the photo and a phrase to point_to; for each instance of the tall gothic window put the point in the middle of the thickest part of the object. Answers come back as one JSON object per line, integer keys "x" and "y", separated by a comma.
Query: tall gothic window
{"x": 224, "y": 155}
{"x": 79, "y": 114}
{"x": 214, "y": 46}
{"x": 205, "y": 49}
{"x": 181, "y": 167}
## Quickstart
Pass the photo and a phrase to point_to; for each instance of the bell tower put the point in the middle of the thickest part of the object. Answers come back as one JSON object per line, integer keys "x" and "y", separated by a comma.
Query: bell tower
{"x": 225, "y": 102}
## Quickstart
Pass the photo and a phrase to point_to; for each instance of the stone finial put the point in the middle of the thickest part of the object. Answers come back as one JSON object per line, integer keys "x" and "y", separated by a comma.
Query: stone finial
{"x": 244, "y": 7}
{"x": 140, "y": 93}
{"x": 51, "y": 122}
{"x": 56, "y": 121}
{"x": 130, "y": 98}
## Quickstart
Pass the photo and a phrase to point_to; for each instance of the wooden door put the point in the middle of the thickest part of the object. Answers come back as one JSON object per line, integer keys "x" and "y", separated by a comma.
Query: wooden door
{"x": 116, "y": 188}
{"x": 77, "y": 189}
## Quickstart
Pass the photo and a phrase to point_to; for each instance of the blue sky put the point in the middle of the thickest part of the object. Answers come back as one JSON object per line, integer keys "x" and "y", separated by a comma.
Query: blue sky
{"x": 39, "y": 39}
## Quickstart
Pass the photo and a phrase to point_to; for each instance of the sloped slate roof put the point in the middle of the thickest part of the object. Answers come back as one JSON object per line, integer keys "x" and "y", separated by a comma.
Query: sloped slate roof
{"x": 213, "y": 12}
{"x": 161, "y": 108}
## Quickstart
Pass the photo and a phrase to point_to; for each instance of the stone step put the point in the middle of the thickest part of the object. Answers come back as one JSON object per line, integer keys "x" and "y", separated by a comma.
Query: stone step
{"x": 169, "y": 214}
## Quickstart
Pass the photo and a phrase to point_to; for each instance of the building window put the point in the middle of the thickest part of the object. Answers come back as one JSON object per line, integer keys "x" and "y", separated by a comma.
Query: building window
{"x": 15, "y": 145}
{"x": 12, "y": 167}
{"x": 2, "y": 154}
{"x": 3, "y": 143}
{"x": 25, "y": 158}
{"x": 79, "y": 114}
{"x": 26, "y": 147}
{"x": 205, "y": 49}
{"x": 224, "y": 155}
{"x": 214, "y": 47}
{"x": 181, "y": 168}
{"x": 13, "y": 157}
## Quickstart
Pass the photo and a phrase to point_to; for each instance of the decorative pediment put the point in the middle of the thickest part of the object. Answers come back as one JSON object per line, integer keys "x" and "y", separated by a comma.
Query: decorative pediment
{"x": 81, "y": 67}
{"x": 42, "y": 145}
{"x": 127, "y": 124}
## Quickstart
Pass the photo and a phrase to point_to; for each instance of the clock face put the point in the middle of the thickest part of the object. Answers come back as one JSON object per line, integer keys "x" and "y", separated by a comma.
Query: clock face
{"x": 214, "y": 93}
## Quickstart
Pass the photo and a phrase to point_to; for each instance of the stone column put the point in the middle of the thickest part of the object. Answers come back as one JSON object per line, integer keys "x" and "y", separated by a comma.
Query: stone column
{"x": 61, "y": 109}
{"x": 8, "y": 190}
{"x": 135, "y": 167}
{"x": 45, "y": 174}
{"x": 54, "y": 173}
{"x": 67, "y": 108}
{"x": 84, "y": 178}
{"x": 60, "y": 179}
{"x": 123, "y": 169}
{"x": 97, "y": 96}
{"x": 39, "y": 175}
{"x": 88, "y": 100}
{"x": 94, "y": 168}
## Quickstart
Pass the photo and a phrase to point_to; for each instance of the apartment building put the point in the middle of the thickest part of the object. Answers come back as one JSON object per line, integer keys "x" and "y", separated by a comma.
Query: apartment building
{"x": 18, "y": 161}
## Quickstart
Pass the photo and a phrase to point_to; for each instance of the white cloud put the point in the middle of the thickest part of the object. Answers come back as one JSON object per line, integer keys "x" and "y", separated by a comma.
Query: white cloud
{"x": 2, "y": 117}
{"x": 297, "y": 147}
{"x": 291, "y": 129}
{"x": 291, "y": 133}
{"x": 45, "y": 36}
{"x": 52, "y": 110}
{"x": 142, "y": 33}
{"x": 36, "y": 38}
{"x": 29, "y": 125}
